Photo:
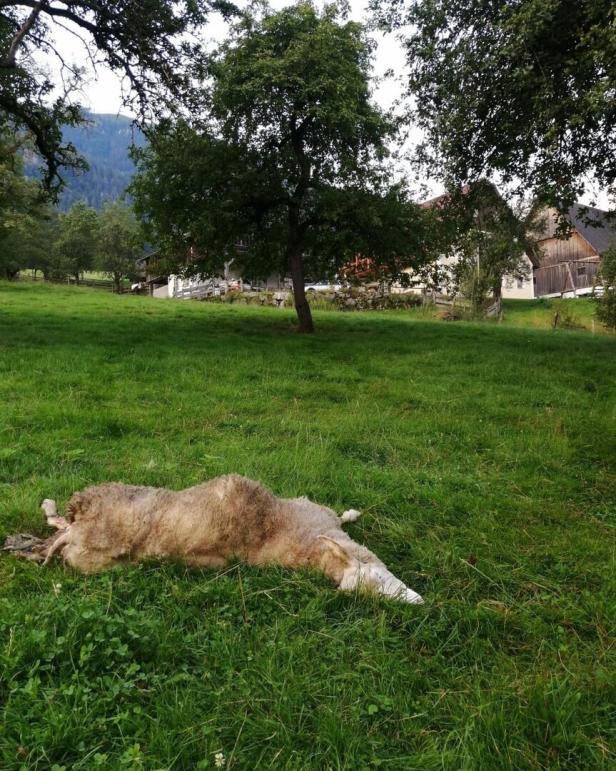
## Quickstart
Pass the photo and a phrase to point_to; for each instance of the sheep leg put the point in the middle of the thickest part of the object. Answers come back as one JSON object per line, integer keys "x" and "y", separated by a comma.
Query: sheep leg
{"x": 56, "y": 544}
{"x": 36, "y": 549}
{"x": 350, "y": 516}
{"x": 384, "y": 582}
{"x": 51, "y": 513}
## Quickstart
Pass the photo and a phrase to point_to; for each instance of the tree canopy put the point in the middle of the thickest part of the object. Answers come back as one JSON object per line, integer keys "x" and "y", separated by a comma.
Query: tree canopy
{"x": 485, "y": 239}
{"x": 119, "y": 243}
{"x": 523, "y": 90}
{"x": 148, "y": 43}
{"x": 288, "y": 160}
{"x": 22, "y": 212}
{"x": 76, "y": 246}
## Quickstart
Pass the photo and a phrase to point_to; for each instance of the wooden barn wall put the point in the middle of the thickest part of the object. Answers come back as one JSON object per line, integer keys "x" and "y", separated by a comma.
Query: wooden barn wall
{"x": 557, "y": 250}
{"x": 554, "y": 279}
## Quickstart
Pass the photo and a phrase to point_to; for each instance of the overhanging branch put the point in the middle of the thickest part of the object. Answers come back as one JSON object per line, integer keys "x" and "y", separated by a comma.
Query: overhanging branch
{"x": 18, "y": 39}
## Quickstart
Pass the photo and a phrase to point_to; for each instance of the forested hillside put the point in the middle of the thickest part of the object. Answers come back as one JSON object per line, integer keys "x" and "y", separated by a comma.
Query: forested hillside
{"x": 104, "y": 142}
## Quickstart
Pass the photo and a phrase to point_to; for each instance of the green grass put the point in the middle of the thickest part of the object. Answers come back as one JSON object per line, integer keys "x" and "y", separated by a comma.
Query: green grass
{"x": 483, "y": 457}
{"x": 573, "y": 314}
{"x": 576, "y": 314}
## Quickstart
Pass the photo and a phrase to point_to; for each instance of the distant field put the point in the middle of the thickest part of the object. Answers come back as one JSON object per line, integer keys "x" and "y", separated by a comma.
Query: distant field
{"x": 577, "y": 314}
{"x": 573, "y": 314}
{"x": 482, "y": 455}
{"x": 88, "y": 275}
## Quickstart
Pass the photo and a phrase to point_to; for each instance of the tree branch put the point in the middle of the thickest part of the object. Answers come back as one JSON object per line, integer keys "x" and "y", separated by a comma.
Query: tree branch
{"x": 62, "y": 12}
{"x": 22, "y": 32}
{"x": 94, "y": 64}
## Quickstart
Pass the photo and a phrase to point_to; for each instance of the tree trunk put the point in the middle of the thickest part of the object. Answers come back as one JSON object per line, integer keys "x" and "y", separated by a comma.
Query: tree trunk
{"x": 304, "y": 314}
{"x": 296, "y": 265}
{"x": 497, "y": 293}
{"x": 77, "y": 277}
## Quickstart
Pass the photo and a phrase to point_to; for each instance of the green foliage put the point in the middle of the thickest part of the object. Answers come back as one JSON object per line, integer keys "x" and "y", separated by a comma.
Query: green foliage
{"x": 606, "y": 302}
{"x": 481, "y": 457}
{"x": 290, "y": 160}
{"x": 522, "y": 90}
{"x": 154, "y": 45}
{"x": 76, "y": 246}
{"x": 119, "y": 241}
{"x": 485, "y": 257}
{"x": 24, "y": 218}
{"x": 485, "y": 240}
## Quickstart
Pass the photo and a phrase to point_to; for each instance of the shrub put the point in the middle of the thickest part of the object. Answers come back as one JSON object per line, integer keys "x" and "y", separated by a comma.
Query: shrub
{"x": 606, "y": 302}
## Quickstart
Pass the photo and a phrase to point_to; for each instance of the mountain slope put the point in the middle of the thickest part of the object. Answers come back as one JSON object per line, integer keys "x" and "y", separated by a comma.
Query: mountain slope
{"x": 104, "y": 141}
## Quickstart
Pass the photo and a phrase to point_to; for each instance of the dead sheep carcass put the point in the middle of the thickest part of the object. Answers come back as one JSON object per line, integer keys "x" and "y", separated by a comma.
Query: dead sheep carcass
{"x": 227, "y": 519}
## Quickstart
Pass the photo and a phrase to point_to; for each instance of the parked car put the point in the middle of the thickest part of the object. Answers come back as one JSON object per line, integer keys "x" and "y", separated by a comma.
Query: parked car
{"x": 322, "y": 286}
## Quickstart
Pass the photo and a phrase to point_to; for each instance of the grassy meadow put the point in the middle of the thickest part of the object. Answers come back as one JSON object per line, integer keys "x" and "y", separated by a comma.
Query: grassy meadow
{"x": 576, "y": 314}
{"x": 483, "y": 457}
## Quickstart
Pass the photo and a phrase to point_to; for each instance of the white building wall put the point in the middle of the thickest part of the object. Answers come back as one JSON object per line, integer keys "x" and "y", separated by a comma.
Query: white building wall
{"x": 445, "y": 265}
{"x": 513, "y": 288}
{"x": 161, "y": 291}
{"x": 520, "y": 289}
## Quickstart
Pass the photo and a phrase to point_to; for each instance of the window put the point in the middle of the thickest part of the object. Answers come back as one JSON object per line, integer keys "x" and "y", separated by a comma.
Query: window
{"x": 581, "y": 271}
{"x": 520, "y": 283}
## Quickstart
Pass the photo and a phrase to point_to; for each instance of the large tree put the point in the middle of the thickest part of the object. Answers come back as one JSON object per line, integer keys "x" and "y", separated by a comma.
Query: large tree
{"x": 76, "y": 245}
{"x": 119, "y": 242}
{"x": 523, "y": 90}
{"x": 148, "y": 43}
{"x": 486, "y": 239}
{"x": 22, "y": 212}
{"x": 289, "y": 160}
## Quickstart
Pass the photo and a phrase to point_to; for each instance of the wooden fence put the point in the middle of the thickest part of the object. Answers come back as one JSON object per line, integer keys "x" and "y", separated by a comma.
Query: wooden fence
{"x": 460, "y": 303}
{"x": 198, "y": 292}
{"x": 96, "y": 283}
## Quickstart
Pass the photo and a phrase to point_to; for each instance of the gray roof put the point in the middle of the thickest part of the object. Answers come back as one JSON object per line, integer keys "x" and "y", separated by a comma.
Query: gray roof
{"x": 595, "y": 225}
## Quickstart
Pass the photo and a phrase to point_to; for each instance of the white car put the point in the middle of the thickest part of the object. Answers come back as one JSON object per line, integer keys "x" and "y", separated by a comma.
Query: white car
{"x": 322, "y": 286}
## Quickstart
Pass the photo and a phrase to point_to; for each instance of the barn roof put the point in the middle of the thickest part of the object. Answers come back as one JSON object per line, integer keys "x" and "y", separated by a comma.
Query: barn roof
{"x": 594, "y": 225}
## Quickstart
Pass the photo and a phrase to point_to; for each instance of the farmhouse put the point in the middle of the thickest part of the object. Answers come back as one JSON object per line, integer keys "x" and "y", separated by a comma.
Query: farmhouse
{"x": 154, "y": 274}
{"x": 559, "y": 266}
{"x": 565, "y": 266}
{"x": 162, "y": 282}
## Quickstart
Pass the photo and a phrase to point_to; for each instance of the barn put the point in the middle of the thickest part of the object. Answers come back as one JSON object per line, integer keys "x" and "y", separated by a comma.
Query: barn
{"x": 568, "y": 266}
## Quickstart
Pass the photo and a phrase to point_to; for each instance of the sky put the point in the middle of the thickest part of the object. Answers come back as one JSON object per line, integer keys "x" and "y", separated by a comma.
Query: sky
{"x": 103, "y": 91}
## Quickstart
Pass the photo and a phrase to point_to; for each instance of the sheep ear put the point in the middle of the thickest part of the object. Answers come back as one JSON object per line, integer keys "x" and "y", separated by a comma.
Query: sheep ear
{"x": 336, "y": 551}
